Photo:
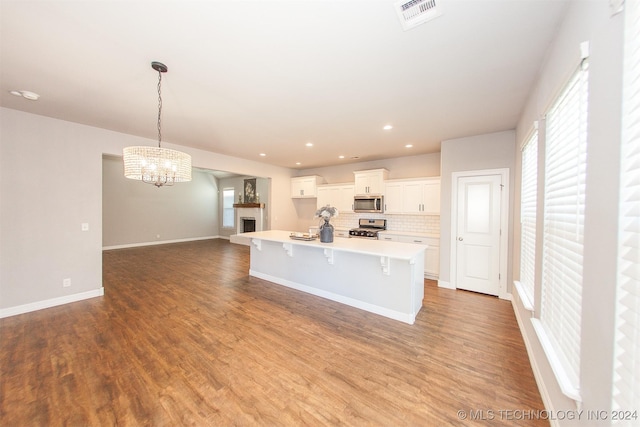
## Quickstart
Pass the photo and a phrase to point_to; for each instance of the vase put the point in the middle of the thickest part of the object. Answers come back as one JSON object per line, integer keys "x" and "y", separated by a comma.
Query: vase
{"x": 326, "y": 232}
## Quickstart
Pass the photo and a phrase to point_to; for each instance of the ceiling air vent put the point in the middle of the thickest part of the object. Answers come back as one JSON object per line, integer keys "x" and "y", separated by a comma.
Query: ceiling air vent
{"x": 415, "y": 12}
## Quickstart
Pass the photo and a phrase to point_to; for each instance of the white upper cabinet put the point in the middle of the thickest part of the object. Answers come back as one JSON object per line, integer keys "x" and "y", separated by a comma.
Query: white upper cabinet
{"x": 305, "y": 187}
{"x": 393, "y": 197}
{"x": 418, "y": 197}
{"x": 339, "y": 196}
{"x": 370, "y": 181}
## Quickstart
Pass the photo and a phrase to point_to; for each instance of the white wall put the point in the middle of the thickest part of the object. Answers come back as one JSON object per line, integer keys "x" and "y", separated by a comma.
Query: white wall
{"x": 51, "y": 182}
{"x": 136, "y": 214}
{"x": 490, "y": 151}
{"x": 585, "y": 21}
{"x": 398, "y": 167}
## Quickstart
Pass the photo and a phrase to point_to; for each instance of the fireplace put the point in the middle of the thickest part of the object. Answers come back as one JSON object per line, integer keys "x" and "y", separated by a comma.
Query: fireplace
{"x": 247, "y": 224}
{"x": 250, "y": 217}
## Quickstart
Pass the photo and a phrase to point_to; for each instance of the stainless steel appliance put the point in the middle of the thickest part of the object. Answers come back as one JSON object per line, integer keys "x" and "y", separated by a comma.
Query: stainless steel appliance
{"x": 368, "y": 228}
{"x": 369, "y": 203}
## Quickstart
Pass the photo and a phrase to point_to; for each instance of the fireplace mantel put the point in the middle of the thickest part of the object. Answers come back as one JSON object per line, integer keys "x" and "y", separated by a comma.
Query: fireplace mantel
{"x": 249, "y": 205}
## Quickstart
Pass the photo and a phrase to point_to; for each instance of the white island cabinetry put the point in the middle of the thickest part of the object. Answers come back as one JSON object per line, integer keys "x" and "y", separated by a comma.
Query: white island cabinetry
{"x": 431, "y": 254}
{"x": 385, "y": 278}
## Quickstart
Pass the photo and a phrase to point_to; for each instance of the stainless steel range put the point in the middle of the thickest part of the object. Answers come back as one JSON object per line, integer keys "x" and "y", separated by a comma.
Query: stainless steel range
{"x": 368, "y": 228}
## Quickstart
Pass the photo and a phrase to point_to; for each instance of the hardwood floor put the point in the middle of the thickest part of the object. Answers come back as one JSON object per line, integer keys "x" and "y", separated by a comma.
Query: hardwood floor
{"x": 183, "y": 336}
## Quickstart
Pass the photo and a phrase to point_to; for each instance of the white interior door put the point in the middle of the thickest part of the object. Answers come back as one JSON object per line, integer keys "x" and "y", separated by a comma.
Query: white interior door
{"x": 478, "y": 233}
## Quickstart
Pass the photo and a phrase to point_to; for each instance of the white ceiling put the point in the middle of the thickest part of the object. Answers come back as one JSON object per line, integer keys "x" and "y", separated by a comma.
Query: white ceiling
{"x": 251, "y": 77}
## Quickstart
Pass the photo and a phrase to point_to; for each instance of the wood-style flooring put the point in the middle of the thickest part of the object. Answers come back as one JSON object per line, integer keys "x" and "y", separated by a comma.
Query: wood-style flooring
{"x": 183, "y": 336}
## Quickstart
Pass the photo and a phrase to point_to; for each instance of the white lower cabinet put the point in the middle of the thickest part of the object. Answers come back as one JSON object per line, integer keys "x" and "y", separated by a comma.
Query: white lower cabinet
{"x": 341, "y": 233}
{"x": 431, "y": 255}
{"x": 337, "y": 232}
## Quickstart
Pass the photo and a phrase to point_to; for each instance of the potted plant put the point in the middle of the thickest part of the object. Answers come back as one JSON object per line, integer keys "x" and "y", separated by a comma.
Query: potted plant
{"x": 325, "y": 213}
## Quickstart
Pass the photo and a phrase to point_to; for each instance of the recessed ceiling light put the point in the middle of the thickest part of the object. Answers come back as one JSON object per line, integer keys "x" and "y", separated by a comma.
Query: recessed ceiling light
{"x": 31, "y": 96}
{"x": 388, "y": 127}
{"x": 355, "y": 157}
{"x": 408, "y": 146}
{"x": 341, "y": 157}
{"x": 298, "y": 163}
{"x": 262, "y": 154}
{"x": 309, "y": 144}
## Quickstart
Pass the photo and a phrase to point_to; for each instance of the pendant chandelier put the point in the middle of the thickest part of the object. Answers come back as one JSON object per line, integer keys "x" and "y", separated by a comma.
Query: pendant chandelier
{"x": 156, "y": 165}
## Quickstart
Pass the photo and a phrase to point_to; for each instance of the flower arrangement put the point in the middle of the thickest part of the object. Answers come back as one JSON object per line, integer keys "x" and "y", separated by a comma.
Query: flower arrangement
{"x": 327, "y": 212}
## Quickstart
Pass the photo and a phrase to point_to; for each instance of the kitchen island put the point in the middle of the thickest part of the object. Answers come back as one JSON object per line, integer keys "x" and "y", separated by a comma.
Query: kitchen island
{"x": 382, "y": 277}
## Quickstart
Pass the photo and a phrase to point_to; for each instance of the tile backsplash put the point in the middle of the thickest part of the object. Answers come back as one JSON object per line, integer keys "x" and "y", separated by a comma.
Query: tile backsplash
{"x": 429, "y": 224}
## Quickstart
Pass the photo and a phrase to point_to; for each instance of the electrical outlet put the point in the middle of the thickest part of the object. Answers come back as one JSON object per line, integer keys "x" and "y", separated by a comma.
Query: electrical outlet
{"x": 66, "y": 283}
{"x": 85, "y": 226}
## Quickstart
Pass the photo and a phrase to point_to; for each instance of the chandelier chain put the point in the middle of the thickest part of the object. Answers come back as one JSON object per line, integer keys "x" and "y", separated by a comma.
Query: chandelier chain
{"x": 159, "y": 107}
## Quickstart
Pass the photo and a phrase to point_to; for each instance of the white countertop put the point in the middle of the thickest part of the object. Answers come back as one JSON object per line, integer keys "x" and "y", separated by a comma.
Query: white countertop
{"x": 409, "y": 233}
{"x": 395, "y": 250}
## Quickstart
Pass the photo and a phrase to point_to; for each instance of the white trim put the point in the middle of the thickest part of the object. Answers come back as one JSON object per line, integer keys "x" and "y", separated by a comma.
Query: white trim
{"x": 392, "y": 314}
{"x": 504, "y": 224}
{"x": 564, "y": 382}
{"x": 53, "y": 302}
{"x": 160, "y": 242}
{"x": 532, "y": 131}
{"x": 524, "y": 298}
{"x": 542, "y": 387}
{"x": 446, "y": 285}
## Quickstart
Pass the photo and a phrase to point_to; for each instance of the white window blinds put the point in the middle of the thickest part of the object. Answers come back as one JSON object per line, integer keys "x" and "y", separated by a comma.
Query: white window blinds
{"x": 564, "y": 189}
{"x": 528, "y": 205}
{"x": 626, "y": 387}
{"x": 228, "y": 214}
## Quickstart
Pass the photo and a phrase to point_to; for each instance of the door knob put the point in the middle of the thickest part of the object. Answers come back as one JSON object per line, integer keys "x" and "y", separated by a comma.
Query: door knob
{"x": 460, "y": 239}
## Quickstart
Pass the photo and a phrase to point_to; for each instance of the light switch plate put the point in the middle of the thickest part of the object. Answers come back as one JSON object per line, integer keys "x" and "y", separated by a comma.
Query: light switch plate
{"x": 85, "y": 226}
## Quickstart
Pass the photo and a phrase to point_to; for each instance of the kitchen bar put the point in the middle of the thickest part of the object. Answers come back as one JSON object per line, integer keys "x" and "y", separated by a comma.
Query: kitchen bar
{"x": 382, "y": 277}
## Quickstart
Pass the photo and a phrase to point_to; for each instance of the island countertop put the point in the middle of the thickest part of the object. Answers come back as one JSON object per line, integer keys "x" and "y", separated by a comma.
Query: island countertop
{"x": 382, "y": 277}
{"x": 396, "y": 250}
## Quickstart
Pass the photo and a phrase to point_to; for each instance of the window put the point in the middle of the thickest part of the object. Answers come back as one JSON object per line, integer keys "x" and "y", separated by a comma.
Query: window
{"x": 563, "y": 227}
{"x": 228, "y": 196}
{"x": 626, "y": 380}
{"x": 528, "y": 206}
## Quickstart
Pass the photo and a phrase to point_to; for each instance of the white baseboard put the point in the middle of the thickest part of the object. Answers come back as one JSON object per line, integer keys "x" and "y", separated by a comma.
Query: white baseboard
{"x": 40, "y": 305}
{"x": 542, "y": 388}
{"x": 159, "y": 242}
{"x": 392, "y": 314}
{"x": 443, "y": 284}
{"x": 240, "y": 240}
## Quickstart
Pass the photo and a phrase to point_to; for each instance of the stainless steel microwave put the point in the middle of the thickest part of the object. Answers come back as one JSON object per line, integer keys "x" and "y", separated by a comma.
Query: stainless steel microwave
{"x": 369, "y": 203}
